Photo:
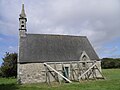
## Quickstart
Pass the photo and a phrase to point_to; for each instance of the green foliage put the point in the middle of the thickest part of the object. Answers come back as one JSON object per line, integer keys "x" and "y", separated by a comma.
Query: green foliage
{"x": 110, "y": 63}
{"x": 0, "y": 73}
{"x": 112, "y": 82}
{"x": 9, "y": 65}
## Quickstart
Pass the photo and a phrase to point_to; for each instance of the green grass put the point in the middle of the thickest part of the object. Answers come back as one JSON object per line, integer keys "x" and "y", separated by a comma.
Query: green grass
{"x": 112, "y": 82}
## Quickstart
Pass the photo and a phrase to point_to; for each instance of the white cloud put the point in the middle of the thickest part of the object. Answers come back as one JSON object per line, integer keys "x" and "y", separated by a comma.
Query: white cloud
{"x": 91, "y": 18}
{"x": 12, "y": 49}
{"x": 96, "y": 19}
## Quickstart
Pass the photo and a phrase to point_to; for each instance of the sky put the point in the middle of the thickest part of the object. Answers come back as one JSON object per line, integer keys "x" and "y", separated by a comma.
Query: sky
{"x": 99, "y": 20}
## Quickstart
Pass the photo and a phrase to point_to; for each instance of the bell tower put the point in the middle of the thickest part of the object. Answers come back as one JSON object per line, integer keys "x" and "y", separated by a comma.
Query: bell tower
{"x": 22, "y": 23}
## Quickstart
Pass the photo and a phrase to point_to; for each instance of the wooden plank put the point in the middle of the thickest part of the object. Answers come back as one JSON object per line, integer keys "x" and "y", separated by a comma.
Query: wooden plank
{"x": 90, "y": 73}
{"x": 82, "y": 70}
{"x": 86, "y": 67}
{"x": 70, "y": 62}
{"x": 72, "y": 74}
{"x": 87, "y": 71}
{"x": 52, "y": 74}
{"x": 57, "y": 72}
{"x": 47, "y": 76}
{"x": 79, "y": 70}
{"x": 100, "y": 72}
{"x": 56, "y": 75}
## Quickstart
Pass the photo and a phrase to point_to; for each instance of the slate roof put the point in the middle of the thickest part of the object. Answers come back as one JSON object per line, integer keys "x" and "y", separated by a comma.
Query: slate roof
{"x": 54, "y": 48}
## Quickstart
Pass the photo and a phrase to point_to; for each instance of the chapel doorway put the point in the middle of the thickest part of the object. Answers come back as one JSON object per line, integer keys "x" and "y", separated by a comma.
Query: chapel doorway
{"x": 66, "y": 72}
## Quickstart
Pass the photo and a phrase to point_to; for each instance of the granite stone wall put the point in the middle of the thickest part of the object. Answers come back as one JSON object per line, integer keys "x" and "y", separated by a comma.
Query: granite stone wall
{"x": 35, "y": 72}
{"x": 31, "y": 73}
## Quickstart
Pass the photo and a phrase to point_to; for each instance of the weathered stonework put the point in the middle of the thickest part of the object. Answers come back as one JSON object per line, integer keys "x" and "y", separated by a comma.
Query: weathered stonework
{"x": 31, "y": 73}
{"x": 35, "y": 72}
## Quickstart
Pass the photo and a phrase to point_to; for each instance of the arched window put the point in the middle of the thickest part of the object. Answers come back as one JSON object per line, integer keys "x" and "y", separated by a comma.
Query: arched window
{"x": 84, "y": 58}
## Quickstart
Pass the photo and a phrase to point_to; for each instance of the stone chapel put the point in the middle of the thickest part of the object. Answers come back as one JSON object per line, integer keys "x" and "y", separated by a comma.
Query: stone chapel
{"x": 50, "y": 57}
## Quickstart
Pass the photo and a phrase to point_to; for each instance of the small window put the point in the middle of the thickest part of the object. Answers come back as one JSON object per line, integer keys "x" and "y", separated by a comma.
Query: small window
{"x": 22, "y": 25}
{"x": 83, "y": 64}
{"x": 84, "y": 58}
{"x": 22, "y": 21}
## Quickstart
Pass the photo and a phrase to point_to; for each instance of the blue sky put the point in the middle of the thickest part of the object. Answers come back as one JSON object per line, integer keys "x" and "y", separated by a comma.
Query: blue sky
{"x": 99, "y": 20}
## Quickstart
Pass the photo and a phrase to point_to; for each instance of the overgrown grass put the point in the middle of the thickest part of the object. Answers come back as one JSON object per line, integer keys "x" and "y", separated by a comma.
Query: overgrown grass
{"x": 8, "y": 84}
{"x": 112, "y": 82}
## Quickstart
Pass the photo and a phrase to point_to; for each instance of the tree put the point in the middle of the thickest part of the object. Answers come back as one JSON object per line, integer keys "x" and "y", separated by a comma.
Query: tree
{"x": 9, "y": 65}
{"x": 0, "y": 73}
{"x": 111, "y": 63}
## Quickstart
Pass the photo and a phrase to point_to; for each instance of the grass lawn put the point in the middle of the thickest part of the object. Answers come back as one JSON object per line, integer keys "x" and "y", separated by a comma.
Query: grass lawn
{"x": 112, "y": 82}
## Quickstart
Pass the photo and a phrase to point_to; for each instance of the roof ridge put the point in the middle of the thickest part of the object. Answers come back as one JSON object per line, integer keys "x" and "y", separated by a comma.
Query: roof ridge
{"x": 57, "y": 35}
